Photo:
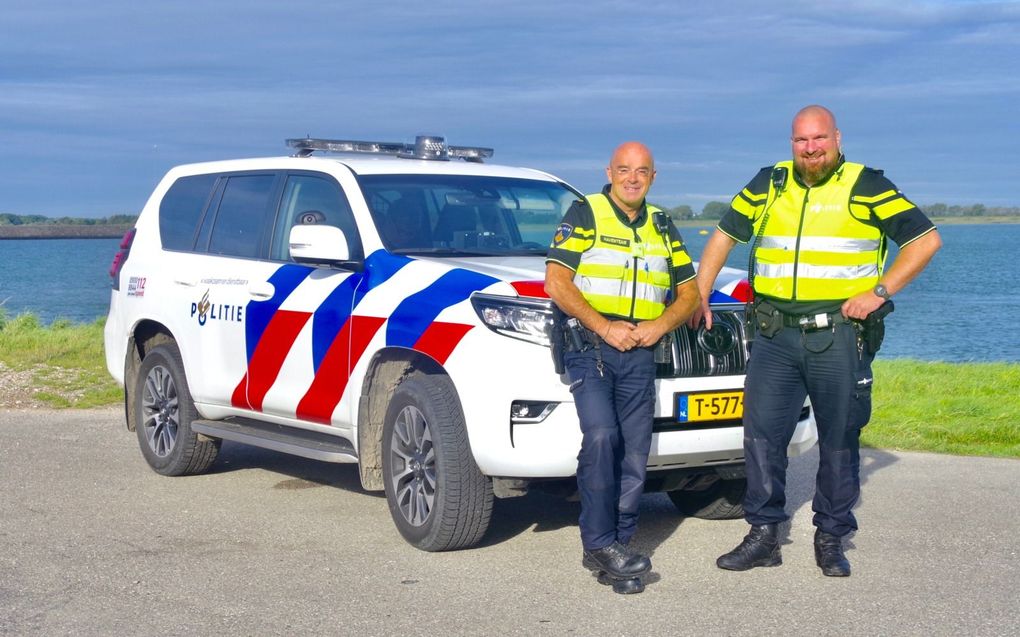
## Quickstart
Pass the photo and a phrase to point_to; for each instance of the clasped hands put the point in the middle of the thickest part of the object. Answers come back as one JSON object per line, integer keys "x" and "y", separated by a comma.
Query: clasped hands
{"x": 625, "y": 336}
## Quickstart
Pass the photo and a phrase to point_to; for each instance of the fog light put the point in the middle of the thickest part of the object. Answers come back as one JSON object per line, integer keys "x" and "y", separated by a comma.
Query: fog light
{"x": 530, "y": 411}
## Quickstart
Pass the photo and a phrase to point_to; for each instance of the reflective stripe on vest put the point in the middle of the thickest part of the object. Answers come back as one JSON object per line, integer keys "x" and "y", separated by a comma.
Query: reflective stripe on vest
{"x": 813, "y": 248}
{"x": 625, "y": 272}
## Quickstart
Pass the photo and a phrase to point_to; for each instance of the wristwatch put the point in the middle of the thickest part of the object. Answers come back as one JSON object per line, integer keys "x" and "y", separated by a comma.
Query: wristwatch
{"x": 881, "y": 291}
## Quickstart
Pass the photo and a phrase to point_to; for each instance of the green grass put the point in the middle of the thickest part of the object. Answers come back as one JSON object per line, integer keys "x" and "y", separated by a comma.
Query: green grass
{"x": 66, "y": 360}
{"x": 955, "y": 408}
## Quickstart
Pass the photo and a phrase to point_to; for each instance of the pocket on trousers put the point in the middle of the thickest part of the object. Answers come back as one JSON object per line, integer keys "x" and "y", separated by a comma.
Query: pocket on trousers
{"x": 818, "y": 341}
{"x": 860, "y": 408}
{"x": 577, "y": 367}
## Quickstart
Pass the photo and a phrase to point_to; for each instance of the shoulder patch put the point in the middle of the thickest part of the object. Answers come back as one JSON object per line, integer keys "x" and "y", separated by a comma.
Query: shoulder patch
{"x": 563, "y": 233}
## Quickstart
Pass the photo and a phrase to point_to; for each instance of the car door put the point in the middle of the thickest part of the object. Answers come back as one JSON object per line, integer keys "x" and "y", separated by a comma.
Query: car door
{"x": 297, "y": 339}
{"x": 228, "y": 273}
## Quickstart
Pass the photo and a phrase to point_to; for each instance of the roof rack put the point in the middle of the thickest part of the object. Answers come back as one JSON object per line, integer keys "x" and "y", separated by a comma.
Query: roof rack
{"x": 424, "y": 147}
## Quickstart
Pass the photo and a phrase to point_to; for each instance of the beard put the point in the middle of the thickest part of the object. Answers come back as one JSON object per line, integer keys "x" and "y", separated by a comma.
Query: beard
{"x": 815, "y": 173}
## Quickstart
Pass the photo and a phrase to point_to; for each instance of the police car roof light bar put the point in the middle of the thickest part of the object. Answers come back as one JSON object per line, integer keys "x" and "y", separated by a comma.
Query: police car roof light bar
{"x": 430, "y": 147}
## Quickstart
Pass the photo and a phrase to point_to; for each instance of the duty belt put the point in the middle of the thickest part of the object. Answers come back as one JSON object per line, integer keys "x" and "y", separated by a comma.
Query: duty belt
{"x": 810, "y": 322}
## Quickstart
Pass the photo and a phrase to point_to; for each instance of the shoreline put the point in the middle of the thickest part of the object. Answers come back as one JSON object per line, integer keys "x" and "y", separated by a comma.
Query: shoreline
{"x": 116, "y": 231}
{"x": 64, "y": 231}
{"x": 938, "y": 221}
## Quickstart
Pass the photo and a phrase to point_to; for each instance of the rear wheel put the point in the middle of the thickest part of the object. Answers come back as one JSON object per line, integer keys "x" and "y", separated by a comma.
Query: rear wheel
{"x": 438, "y": 498}
{"x": 163, "y": 412}
{"x": 723, "y": 500}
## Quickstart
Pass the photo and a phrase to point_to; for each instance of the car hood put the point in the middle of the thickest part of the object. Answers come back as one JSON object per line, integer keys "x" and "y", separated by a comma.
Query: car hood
{"x": 530, "y": 271}
{"x": 509, "y": 269}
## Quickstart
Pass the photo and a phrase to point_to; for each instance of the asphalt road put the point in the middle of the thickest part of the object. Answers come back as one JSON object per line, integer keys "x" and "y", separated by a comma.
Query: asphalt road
{"x": 94, "y": 543}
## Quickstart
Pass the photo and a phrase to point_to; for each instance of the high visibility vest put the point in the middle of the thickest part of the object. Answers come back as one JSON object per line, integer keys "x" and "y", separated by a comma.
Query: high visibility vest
{"x": 813, "y": 247}
{"x": 626, "y": 271}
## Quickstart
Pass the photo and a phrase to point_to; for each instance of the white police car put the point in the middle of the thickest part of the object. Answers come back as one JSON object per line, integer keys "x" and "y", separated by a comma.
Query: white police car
{"x": 382, "y": 304}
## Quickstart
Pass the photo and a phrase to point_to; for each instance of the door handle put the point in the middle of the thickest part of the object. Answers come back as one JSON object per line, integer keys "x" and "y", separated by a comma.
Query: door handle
{"x": 261, "y": 290}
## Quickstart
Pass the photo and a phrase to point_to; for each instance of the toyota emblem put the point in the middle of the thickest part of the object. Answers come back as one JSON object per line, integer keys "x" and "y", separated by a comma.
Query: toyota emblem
{"x": 718, "y": 341}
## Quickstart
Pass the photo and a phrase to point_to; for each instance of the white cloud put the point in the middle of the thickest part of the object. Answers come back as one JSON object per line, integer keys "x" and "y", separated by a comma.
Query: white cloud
{"x": 710, "y": 86}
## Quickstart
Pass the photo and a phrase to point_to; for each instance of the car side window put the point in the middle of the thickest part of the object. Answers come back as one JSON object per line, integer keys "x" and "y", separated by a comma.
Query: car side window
{"x": 181, "y": 210}
{"x": 242, "y": 216}
{"x": 311, "y": 199}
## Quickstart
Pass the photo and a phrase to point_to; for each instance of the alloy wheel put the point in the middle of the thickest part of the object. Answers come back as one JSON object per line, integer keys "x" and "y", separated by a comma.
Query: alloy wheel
{"x": 161, "y": 417}
{"x": 413, "y": 466}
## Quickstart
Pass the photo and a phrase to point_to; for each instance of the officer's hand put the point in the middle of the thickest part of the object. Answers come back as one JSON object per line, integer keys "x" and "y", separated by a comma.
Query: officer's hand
{"x": 647, "y": 333}
{"x": 621, "y": 335}
{"x": 859, "y": 306}
{"x": 701, "y": 312}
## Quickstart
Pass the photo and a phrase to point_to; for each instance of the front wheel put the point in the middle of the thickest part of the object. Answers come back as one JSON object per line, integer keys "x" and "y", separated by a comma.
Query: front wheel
{"x": 164, "y": 410}
{"x": 438, "y": 498}
{"x": 723, "y": 500}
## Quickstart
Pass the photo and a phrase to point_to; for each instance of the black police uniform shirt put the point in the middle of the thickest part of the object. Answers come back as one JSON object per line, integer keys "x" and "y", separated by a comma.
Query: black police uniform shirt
{"x": 902, "y": 227}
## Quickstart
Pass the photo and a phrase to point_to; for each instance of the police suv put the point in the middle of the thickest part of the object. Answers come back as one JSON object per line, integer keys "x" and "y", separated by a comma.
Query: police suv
{"x": 382, "y": 304}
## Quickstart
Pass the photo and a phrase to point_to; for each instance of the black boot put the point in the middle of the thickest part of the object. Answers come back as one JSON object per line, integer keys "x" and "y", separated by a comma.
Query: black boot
{"x": 617, "y": 561}
{"x": 630, "y": 586}
{"x": 759, "y": 548}
{"x": 829, "y": 555}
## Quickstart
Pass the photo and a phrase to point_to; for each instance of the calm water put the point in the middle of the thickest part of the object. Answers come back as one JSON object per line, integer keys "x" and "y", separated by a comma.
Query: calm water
{"x": 962, "y": 308}
{"x": 56, "y": 278}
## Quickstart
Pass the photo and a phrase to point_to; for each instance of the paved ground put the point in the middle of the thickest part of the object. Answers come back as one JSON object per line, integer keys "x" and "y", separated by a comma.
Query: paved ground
{"x": 94, "y": 543}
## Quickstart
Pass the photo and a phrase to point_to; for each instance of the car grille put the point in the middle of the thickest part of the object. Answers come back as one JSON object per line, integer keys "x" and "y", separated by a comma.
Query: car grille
{"x": 720, "y": 352}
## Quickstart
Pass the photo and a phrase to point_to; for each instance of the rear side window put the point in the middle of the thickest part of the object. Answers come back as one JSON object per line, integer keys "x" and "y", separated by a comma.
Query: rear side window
{"x": 181, "y": 210}
{"x": 243, "y": 214}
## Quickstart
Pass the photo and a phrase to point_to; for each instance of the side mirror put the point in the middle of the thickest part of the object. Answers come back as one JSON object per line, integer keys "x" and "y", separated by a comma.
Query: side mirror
{"x": 319, "y": 244}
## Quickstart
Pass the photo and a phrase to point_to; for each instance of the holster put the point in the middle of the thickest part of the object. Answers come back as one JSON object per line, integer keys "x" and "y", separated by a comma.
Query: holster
{"x": 873, "y": 327}
{"x": 556, "y": 339}
{"x": 768, "y": 320}
{"x": 576, "y": 337}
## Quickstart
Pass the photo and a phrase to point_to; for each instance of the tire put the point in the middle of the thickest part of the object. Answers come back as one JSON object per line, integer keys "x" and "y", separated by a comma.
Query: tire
{"x": 163, "y": 412}
{"x": 438, "y": 498}
{"x": 724, "y": 500}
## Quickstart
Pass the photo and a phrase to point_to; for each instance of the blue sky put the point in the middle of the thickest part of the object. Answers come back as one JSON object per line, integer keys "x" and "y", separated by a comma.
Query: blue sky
{"x": 99, "y": 98}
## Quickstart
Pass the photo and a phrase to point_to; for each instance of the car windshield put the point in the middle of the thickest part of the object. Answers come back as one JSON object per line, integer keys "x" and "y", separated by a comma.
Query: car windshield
{"x": 465, "y": 214}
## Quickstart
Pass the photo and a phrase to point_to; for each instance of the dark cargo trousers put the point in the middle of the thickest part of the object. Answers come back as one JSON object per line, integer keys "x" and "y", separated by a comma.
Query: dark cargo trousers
{"x": 615, "y": 409}
{"x": 827, "y": 366}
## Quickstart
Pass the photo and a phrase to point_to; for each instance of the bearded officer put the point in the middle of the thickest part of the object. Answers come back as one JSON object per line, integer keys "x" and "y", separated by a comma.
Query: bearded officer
{"x": 820, "y": 226}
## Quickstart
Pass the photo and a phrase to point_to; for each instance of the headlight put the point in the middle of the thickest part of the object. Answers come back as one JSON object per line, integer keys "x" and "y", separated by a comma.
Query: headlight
{"x": 524, "y": 318}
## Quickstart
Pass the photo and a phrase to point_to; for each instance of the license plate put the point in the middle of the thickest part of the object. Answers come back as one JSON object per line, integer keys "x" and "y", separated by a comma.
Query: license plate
{"x": 709, "y": 406}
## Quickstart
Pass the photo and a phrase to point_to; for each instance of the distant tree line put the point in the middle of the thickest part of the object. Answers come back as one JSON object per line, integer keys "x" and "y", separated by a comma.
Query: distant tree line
{"x": 976, "y": 210}
{"x": 7, "y": 219}
{"x": 716, "y": 209}
{"x": 711, "y": 210}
